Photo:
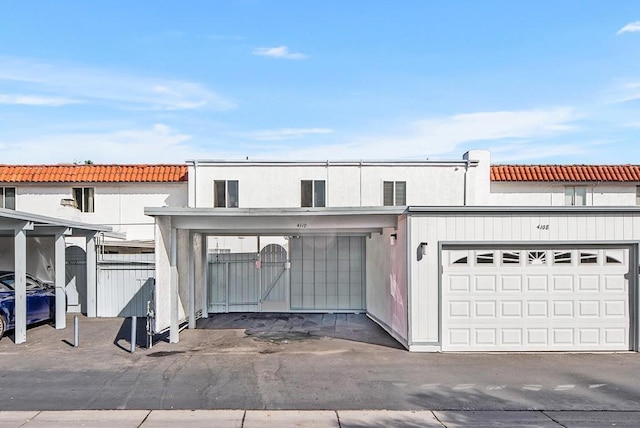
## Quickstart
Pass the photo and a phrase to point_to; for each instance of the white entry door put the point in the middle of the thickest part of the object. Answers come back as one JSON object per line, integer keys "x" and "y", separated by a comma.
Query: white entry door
{"x": 539, "y": 299}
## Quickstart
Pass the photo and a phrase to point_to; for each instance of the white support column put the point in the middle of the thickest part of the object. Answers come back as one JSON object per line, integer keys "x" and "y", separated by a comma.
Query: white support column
{"x": 92, "y": 284}
{"x": 20, "y": 285}
{"x": 60, "y": 280}
{"x": 174, "y": 333}
{"x": 192, "y": 282}
{"x": 205, "y": 277}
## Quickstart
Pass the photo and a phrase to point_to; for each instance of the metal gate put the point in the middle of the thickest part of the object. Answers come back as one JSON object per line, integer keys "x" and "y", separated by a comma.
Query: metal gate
{"x": 125, "y": 284}
{"x": 273, "y": 274}
{"x": 76, "y": 279}
{"x": 233, "y": 282}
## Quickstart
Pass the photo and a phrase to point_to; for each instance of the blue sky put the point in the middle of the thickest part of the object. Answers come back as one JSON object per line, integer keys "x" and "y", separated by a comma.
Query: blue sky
{"x": 165, "y": 81}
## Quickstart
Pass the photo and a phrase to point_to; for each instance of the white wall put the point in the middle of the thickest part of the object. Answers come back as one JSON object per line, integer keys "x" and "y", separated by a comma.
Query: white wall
{"x": 40, "y": 256}
{"x": 386, "y": 280}
{"x": 118, "y": 205}
{"x": 541, "y": 194}
{"x": 275, "y": 185}
{"x": 493, "y": 228}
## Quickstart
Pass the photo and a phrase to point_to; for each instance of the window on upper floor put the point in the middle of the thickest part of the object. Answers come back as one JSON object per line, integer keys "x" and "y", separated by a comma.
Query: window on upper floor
{"x": 312, "y": 193}
{"x": 84, "y": 199}
{"x": 225, "y": 193}
{"x": 637, "y": 195}
{"x": 8, "y": 198}
{"x": 394, "y": 193}
{"x": 575, "y": 195}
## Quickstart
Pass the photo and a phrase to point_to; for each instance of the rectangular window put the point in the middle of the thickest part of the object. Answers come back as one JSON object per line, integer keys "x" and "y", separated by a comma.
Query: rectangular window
{"x": 637, "y": 195}
{"x": 225, "y": 193}
{"x": 312, "y": 193}
{"x": 8, "y": 198}
{"x": 83, "y": 197}
{"x": 394, "y": 193}
{"x": 575, "y": 195}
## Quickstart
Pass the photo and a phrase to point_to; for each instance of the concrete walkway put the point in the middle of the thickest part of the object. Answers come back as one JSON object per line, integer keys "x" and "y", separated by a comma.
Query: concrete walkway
{"x": 315, "y": 418}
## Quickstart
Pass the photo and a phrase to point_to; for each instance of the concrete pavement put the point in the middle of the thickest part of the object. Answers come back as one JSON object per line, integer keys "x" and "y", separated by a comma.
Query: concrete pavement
{"x": 313, "y": 419}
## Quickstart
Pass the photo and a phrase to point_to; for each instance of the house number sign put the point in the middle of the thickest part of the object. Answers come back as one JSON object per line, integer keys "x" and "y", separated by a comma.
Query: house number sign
{"x": 542, "y": 227}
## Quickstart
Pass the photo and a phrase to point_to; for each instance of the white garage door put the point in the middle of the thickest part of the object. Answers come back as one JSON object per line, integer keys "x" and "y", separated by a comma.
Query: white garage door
{"x": 535, "y": 300}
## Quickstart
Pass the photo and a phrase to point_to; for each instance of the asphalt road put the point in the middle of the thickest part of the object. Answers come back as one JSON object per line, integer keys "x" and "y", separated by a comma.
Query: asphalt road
{"x": 356, "y": 367}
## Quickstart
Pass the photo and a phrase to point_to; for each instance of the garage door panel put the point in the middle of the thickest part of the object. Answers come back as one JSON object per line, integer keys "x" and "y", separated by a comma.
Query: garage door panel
{"x": 563, "y": 282}
{"x": 541, "y": 303}
{"x": 459, "y": 283}
{"x": 485, "y": 309}
{"x": 485, "y": 283}
{"x": 511, "y": 309}
{"x": 537, "y": 282}
{"x": 589, "y": 283}
{"x": 538, "y": 309}
{"x": 511, "y": 283}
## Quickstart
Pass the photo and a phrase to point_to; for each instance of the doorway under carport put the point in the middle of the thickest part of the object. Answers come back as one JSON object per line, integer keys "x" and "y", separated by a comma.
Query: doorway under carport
{"x": 300, "y": 273}
{"x": 347, "y": 260}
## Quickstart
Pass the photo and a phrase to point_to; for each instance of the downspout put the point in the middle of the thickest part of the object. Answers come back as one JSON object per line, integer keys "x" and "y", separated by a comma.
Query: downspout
{"x": 326, "y": 187}
{"x": 360, "y": 182}
{"x": 466, "y": 185}
{"x": 195, "y": 183}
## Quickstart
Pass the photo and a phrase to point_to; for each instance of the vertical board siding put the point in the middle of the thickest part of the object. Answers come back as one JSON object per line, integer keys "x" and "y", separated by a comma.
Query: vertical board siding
{"x": 327, "y": 273}
{"x": 233, "y": 282}
{"x": 497, "y": 228}
{"x": 125, "y": 284}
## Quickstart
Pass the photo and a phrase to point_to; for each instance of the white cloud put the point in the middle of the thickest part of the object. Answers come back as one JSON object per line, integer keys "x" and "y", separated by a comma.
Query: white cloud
{"x": 159, "y": 143}
{"x": 35, "y": 100}
{"x": 632, "y": 27}
{"x": 278, "y": 52}
{"x": 126, "y": 90}
{"x": 284, "y": 133}
{"x": 444, "y": 135}
{"x": 623, "y": 93}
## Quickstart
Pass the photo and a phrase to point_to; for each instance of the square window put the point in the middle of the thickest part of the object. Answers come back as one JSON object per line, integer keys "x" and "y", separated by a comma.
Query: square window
{"x": 225, "y": 193}
{"x": 84, "y": 199}
{"x": 312, "y": 193}
{"x": 8, "y": 198}
{"x": 394, "y": 193}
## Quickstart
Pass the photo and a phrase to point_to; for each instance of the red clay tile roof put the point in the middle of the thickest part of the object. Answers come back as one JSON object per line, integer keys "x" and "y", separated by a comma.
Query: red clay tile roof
{"x": 92, "y": 173}
{"x": 567, "y": 173}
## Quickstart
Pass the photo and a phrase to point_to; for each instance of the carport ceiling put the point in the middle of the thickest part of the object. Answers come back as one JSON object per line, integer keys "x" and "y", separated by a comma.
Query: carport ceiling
{"x": 38, "y": 225}
{"x": 290, "y": 221}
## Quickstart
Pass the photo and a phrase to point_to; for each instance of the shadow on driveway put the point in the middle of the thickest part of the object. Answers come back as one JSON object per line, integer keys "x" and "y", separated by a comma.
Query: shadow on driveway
{"x": 287, "y": 327}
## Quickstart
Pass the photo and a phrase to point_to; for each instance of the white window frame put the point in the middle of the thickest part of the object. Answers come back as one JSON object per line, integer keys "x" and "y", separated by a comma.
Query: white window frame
{"x": 3, "y": 197}
{"x": 318, "y": 196}
{"x": 572, "y": 193}
{"x": 399, "y": 198}
{"x": 87, "y": 201}
{"x": 230, "y": 197}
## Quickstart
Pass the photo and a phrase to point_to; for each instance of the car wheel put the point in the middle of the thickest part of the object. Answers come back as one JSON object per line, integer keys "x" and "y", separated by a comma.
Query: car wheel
{"x": 3, "y": 325}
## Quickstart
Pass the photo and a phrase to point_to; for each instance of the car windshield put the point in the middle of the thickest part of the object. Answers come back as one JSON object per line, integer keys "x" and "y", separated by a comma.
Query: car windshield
{"x": 4, "y": 287}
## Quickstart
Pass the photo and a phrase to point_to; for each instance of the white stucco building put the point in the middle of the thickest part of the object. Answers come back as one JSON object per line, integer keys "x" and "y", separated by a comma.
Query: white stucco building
{"x": 111, "y": 195}
{"x": 445, "y": 255}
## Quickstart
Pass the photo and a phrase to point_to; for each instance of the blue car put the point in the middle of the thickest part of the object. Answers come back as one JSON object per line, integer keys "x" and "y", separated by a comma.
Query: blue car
{"x": 40, "y": 301}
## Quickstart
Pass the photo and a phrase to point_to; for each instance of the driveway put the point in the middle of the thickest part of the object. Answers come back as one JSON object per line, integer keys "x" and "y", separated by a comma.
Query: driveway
{"x": 300, "y": 363}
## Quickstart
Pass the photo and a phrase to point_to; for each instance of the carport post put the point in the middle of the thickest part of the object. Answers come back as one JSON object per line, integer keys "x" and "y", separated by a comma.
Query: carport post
{"x": 20, "y": 284}
{"x": 92, "y": 289}
{"x": 59, "y": 260}
{"x": 205, "y": 276}
{"x": 192, "y": 282}
{"x": 174, "y": 333}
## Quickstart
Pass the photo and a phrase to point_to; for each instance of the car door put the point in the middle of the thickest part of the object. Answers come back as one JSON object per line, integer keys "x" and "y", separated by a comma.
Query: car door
{"x": 37, "y": 302}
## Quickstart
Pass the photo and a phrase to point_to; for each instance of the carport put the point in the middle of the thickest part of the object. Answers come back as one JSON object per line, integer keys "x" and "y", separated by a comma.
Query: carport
{"x": 20, "y": 228}
{"x": 367, "y": 246}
